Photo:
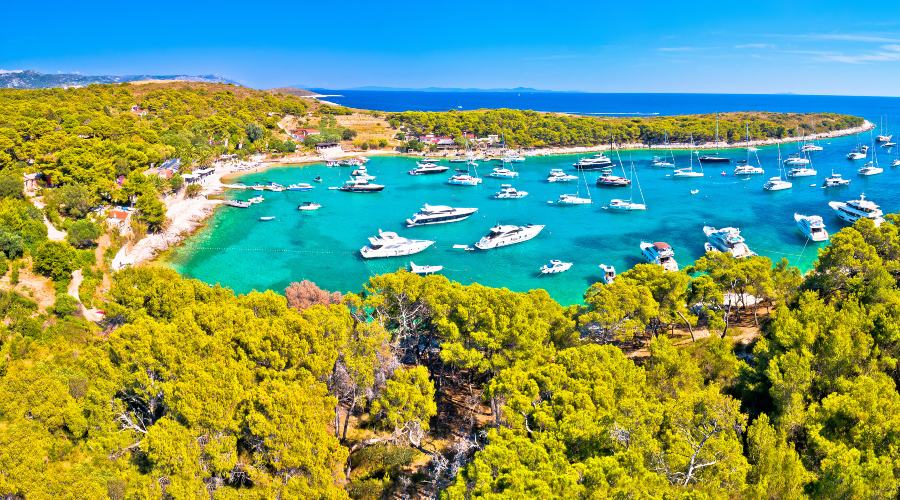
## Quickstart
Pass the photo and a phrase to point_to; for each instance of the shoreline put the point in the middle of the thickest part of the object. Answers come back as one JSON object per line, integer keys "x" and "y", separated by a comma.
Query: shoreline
{"x": 188, "y": 215}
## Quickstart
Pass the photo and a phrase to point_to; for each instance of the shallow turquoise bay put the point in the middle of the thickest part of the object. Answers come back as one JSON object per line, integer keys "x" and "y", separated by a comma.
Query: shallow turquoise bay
{"x": 242, "y": 253}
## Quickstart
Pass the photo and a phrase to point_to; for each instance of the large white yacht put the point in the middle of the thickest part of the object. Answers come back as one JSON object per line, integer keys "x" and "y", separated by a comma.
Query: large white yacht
{"x": 557, "y": 175}
{"x": 503, "y": 235}
{"x": 438, "y": 214}
{"x": 726, "y": 239}
{"x": 425, "y": 168}
{"x": 812, "y": 226}
{"x": 390, "y": 244}
{"x": 595, "y": 162}
{"x": 660, "y": 253}
{"x": 853, "y": 210}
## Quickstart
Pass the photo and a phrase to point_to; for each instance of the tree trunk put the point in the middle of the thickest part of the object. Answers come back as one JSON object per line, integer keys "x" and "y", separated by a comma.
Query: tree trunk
{"x": 347, "y": 419}
{"x": 337, "y": 420}
{"x": 688, "y": 323}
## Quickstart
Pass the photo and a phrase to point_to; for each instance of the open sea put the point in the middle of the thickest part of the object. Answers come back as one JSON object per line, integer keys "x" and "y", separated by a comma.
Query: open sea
{"x": 240, "y": 252}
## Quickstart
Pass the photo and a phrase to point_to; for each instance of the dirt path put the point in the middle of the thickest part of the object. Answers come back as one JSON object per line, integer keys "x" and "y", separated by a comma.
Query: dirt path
{"x": 53, "y": 234}
{"x": 74, "y": 285}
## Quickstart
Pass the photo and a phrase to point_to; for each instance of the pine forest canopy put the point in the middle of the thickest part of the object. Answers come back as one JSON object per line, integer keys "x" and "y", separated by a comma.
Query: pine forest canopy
{"x": 536, "y": 129}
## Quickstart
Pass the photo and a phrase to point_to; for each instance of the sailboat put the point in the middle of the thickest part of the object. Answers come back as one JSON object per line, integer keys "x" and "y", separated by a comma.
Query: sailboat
{"x": 576, "y": 199}
{"x": 871, "y": 168}
{"x": 714, "y": 158}
{"x": 884, "y": 138}
{"x": 688, "y": 172}
{"x": 663, "y": 161}
{"x": 744, "y": 167}
{"x": 466, "y": 179}
{"x": 778, "y": 183}
{"x": 629, "y": 205}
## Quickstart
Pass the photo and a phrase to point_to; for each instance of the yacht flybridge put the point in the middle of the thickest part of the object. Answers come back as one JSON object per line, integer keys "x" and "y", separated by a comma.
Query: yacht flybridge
{"x": 812, "y": 227}
{"x": 505, "y": 235}
{"x": 660, "y": 253}
{"x": 390, "y": 244}
{"x": 728, "y": 240}
{"x": 853, "y": 210}
{"x": 439, "y": 214}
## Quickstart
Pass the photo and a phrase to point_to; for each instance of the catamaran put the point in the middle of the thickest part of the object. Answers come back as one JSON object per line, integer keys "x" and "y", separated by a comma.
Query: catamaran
{"x": 503, "y": 172}
{"x": 466, "y": 179}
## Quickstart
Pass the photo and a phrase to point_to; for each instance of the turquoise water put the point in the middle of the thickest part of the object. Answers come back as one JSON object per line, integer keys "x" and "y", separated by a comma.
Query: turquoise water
{"x": 239, "y": 251}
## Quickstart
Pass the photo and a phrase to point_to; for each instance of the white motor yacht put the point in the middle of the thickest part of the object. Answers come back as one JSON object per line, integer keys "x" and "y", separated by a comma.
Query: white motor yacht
{"x": 595, "y": 162}
{"x": 726, "y": 239}
{"x": 555, "y": 267}
{"x": 504, "y": 235}
{"x": 660, "y": 253}
{"x": 853, "y": 210}
{"x": 609, "y": 274}
{"x": 424, "y": 270}
{"x": 802, "y": 172}
{"x": 856, "y": 154}
{"x": 238, "y": 203}
{"x": 390, "y": 244}
{"x": 426, "y": 168}
{"x": 836, "y": 180}
{"x": 438, "y": 214}
{"x": 503, "y": 173}
{"x": 812, "y": 226}
{"x": 360, "y": 186}
{"x": 895, "y": 163}
{"x": 870, "y": 168}
{"x": 557, "y": 175}
{"x": 625, "y": 205}
{"x": 308, "y": 206}
{"x": 777, "y": 184}
{"x": 513, "y": 158}
{"x": 507, "y": 192}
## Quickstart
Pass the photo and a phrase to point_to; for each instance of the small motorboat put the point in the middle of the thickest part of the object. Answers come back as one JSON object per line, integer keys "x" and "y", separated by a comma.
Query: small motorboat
{"x": 308, "y": 206}
{"x": 300, "y": 186}
{"x": 318, "y": 179}
{"x": 695, "y": 191}
{"x": 624, "y": 205}
{"x": 238, "y": 203}
{"x": 256, "y": 199}
{"x": 267, "y": 218}
{"x": 609, "y": 274}
{"x": 424, "y": 270}
{"x": 557, "y": 175}
{"x": 555, "y": 267}
{"x": 571, "y": 199}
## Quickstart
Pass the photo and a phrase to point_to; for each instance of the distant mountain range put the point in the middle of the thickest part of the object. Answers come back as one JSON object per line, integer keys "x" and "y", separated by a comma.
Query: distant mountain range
{"x": 513, "y": 90}
{"x": 28, "y": 79}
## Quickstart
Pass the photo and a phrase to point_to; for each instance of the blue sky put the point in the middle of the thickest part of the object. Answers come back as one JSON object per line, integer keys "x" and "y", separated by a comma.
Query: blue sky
{"x": 824, "y": 47}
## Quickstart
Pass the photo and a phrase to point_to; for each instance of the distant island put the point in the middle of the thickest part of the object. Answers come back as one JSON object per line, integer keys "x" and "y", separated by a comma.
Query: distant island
{"x": 30, "y": 79}
{"x": 513, "y": 90}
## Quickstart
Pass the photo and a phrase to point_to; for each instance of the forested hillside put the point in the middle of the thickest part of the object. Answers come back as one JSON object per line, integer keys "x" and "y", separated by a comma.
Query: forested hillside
{"x": 421, "y": 386}
{"x": 535, "y": 129}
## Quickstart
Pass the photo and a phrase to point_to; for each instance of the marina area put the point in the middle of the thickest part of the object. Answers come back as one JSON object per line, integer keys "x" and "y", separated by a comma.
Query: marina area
{"x": 323, "y": 245}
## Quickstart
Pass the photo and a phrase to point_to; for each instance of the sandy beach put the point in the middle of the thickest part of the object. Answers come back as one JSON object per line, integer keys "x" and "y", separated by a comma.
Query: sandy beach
{"x": 186, "y": 215}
